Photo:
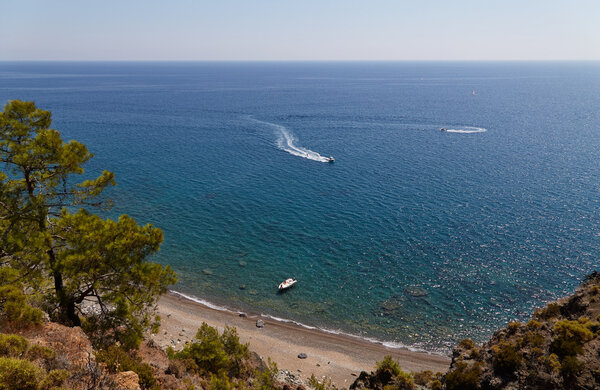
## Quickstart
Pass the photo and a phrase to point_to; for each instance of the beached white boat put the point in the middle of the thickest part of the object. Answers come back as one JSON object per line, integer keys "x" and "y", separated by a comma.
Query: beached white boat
{"x": 287, "y": 284}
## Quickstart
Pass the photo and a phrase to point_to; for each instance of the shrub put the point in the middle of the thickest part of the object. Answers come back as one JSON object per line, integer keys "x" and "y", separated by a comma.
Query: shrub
{"x": 553, "y": 363}
{"x": 467, "y": 344}
{"x": 569, "y": 336}
{"x": 533, "y": 324}
{"x": 266, "y": 380}
{"x": 550, "y": 311}
{"x": 436, "y": 385}
{"x": 570, "y": 366}
{"x": 117, "y": 360}
{"x": 514, "y": 326}
{"x": 14, "y": 306}
{"x": 388, "y": 363}
{"x": 54, "y": 379}
{"x": 220, "y": 382}
{"x": 404, "y": 381}
{"x": 507, "y": 358}
{"x": 40, "y": 352}
{"x": 17, "y": 374}
{"x": 12, "y": 345}
{"x": 532, "y": 338}
{"x": 423, "y": 378}
{"x": 463, "y": 377}
{"x": 212, "y": 353}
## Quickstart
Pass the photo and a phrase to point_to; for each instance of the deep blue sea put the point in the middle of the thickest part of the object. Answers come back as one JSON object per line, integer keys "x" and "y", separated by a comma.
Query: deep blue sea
{"x": 413, "y": 236}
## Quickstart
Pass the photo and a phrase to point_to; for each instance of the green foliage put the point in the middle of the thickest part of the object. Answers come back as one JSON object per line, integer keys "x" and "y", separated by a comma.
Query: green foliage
{"x": 550, "y": 311}
{"x": 436, "y": 385}
{"x": 570, "y": 366}
{"x": 423, "y": 378}
{"x": 49, "y": 245}
{"x": 40, "y": 352}
{"x": 507, "y": 358}
{"x": 569, "y": 336}
{"x": 463, "y": 377}
{"x": 467, "y": 344}
{"x": 514, "y": 326}
{"x": 403, "y": 381}
{"x": 17, "y": 374}
{"x": 220, "y": 382}
{"x": 533, "y": 339}
{"x": 266, "y": 380}
{"x": 553, "y": 363}
{"x": 325, "y": 384}
{"x": 533, "y": 324}
{"x": 118, "y": 360}
{"x": 212, "y": 353}
{"x": 12, "y": 345}
{"x": 400, "y": 379}
{"x": 388, "y": 364}
{"x": 54, "y": 379}
{"x": 14, "y": 304}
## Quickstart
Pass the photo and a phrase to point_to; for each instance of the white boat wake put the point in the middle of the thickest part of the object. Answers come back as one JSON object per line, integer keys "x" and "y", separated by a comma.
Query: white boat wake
{"x": 286, "y": 141}
{"x": 467, "y": 130}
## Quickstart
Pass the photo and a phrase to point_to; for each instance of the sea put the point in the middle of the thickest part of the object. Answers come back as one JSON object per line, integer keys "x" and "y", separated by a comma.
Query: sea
{"x": 414, "y": 237}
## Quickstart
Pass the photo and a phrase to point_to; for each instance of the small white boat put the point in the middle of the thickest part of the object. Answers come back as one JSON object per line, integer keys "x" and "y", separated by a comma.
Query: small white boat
{"x": 331, "y": 159}
{"x": 287, "y": 284}
{"x": 442, "y": 129}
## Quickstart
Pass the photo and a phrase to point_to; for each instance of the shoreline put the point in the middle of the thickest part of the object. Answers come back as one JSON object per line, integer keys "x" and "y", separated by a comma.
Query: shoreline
{"x": 338, "y": 356}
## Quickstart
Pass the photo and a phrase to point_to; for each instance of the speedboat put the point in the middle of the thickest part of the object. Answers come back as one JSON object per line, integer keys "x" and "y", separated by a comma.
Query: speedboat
{"x": 331, "y": 159}
{"x": 287, "y": 284}
{"x": 442, "y": 129}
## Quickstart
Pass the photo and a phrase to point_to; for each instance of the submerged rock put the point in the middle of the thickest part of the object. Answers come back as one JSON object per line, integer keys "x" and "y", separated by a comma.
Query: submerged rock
{"x": 415, "y": 291}
{"x": 206, "y": 271}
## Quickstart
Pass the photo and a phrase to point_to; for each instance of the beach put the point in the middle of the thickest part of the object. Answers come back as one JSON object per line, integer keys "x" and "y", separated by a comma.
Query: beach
{"x": 339, "y": 357}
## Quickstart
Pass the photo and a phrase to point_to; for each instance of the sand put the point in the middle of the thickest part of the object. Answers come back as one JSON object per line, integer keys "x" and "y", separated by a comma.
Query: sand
{"x": 338, "y": 357}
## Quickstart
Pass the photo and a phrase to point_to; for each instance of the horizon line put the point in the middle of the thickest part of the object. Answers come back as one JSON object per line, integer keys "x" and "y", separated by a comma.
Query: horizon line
{"x": 296, "y": 60}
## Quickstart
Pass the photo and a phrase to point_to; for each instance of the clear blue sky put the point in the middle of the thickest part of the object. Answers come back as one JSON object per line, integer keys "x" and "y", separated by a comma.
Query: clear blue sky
{"x": 299, "y": 30}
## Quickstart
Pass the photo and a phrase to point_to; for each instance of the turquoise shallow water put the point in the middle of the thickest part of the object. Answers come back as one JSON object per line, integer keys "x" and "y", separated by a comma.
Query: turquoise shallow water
{"x": 413, "y": 236}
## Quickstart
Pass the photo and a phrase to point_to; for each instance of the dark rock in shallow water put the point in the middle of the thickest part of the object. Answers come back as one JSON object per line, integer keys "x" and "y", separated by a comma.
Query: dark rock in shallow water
{"x": 242, "y": 286}
{"x": 302, "y": 356}
{"x": 415, "y": 291}
{"x": 260, "y": 323}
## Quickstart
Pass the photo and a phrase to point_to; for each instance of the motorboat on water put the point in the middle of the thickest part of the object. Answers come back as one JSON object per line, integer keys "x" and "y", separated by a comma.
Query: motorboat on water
{"x": 287, "y": 284}
{"x": 442, "y": 129}
{"x": 331, "y": 159}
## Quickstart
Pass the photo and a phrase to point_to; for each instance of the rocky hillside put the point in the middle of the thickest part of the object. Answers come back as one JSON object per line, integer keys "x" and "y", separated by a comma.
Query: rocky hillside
{"x": 559, "y": 348}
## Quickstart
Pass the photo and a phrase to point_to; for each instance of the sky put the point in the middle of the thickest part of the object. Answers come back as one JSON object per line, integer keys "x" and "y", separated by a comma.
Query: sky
{"x": 305, "y": 30}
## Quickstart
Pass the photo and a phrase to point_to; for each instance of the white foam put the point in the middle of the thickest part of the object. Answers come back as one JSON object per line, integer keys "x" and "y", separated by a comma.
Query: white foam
{"x": 467, "y": 130}
{"x": 201, "y": 301}
{"x": 387, "y": 344}
{"x": 286, "y": 141}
